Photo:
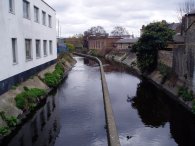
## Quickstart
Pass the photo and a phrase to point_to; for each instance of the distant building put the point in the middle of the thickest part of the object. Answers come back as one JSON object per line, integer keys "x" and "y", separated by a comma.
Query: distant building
{"x": 27, "y": 40}
{"x": 102, "y": 44}
{"x": 125, "y": 44}
{"x": 175, "y": 26}
{"x": 77, "y": 42}
{"x": 61, "y": 46}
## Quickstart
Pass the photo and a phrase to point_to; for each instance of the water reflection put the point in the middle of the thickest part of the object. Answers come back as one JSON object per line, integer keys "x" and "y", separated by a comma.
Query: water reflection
{"x": 153, "y": 111}
{"x": 146, "y": 116}
{"x": 81, "y": 107}
{"x": 182, "y": 125}
{"x": 39, "y": 130}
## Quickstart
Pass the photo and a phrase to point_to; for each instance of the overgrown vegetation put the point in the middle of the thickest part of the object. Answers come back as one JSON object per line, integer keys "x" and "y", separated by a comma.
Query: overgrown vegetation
{"x": 4, "y": 130}
{"x": 28, "y": 99}
{"x": 70, "y": 47}
{"x": 155, "y": 37}
{"x": 11, "y": 122}
{"x": 185, "y": 93}
{"x": 165, "y": 71}
{"x": 54, "y": 78}
{"x": 94, "y": 52}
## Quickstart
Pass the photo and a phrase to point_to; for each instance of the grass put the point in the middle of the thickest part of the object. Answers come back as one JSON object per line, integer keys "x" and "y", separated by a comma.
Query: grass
{"x": 29, "y": 98}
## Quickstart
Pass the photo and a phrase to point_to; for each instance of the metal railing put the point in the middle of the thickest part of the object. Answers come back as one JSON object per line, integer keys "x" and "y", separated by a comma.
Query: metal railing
{"x": 113, "y": 138}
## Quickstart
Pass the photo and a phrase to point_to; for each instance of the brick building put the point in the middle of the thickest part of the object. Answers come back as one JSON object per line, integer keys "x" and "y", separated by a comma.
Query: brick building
{"x": 125, "y": 44}
{"x": 103, "y": 44}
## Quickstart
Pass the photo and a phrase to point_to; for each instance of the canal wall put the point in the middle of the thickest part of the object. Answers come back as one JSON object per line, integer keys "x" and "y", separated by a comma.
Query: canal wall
{"x": 7, "y": 100}
{"x": 170, "y": 86}
{"x": 113, "y": 138}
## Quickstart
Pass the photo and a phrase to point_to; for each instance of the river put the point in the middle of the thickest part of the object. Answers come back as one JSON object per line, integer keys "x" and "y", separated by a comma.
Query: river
{"x": 74, "y": 114}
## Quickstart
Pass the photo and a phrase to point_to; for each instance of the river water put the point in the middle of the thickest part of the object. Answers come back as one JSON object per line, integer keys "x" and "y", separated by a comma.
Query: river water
{"x": 74, "y": 115}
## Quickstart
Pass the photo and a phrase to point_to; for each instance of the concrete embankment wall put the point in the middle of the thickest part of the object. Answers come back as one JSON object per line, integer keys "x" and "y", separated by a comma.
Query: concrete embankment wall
{"x": 7, "y": 100}
{"x": 166, "y": 57}
{"x": 171, "y": 85}
{"x": 113, "y": 138}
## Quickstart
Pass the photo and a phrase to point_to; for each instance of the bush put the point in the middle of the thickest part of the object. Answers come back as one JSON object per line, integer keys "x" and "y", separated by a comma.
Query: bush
{"x": 10, "y": 121}
{"x": 70, "y": 47}
{"x": 4, "y": 131}
{"x": 185, "y": 94}
{"x": 155, "y": 37}
{"x": 29, "y": 98}
{"x": 53, "y": 79}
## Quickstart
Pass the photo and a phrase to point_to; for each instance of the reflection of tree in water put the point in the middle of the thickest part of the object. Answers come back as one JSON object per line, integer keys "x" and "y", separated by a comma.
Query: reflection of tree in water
{"x": 155, "y": 109}
{"x": 148, "y": 102}
{"x": 182, "y": 126}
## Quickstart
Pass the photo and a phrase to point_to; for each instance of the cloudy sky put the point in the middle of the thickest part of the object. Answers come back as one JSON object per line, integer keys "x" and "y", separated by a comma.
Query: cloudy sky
{"x": 76, "y": 16}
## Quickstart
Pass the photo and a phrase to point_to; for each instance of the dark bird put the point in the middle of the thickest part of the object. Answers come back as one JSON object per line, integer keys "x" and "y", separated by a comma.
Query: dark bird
{"x": 129, "y": 137}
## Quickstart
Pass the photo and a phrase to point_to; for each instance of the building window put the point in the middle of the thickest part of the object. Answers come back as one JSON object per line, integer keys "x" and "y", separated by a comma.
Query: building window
{"x": 38, "y": 49}
{"x": 43, "y": 18}
{"x": 36, "y": 14}
{"x": 11, "y": 6}
{"x": 45, "y": 47}
{"x": 50, "y": 21}
{"x": 26, "y": 9}
{"x": 50, "y": 47}
{"x": 28, "y": 49}
{"x": 14, "y": 50}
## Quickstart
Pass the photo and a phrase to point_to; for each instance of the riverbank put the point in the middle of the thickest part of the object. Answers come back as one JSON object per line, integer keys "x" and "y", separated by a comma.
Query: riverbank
{"x": 171, "y": 85}
{"x": 22, "y": 99}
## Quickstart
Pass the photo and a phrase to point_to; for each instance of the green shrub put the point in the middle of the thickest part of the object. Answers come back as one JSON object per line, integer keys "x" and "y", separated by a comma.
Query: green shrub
{"x": 27, "y": 99}
{"x": 26, "y": 88}
{"x": 4, "y": 131}
{"x": 185, "y": 94}
{"x": 11, "y": 121}
{"x": 54, "y": 78}
{"x": 59, "y": 66}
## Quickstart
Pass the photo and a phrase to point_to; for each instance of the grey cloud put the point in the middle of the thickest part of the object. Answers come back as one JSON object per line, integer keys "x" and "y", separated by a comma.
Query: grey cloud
{"x": 78, "y": 15}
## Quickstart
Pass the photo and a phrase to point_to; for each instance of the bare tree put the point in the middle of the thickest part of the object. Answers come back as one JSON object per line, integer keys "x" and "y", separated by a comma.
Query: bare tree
{"x": 119, "y": 31}
{"x": 95, "y": 31}
{"x": 185, "y": 8}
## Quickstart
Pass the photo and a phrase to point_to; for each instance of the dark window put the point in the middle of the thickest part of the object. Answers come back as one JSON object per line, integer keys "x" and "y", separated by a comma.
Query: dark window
{"x": 14, "y": 50}
{"x": 26, "y": 9}
{"x": 28, "y": 49}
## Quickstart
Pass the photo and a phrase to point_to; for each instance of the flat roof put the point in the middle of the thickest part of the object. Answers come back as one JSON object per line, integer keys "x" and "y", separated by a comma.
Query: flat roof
{"x": 48, "y": 5}
{"x": 127, "y": 41}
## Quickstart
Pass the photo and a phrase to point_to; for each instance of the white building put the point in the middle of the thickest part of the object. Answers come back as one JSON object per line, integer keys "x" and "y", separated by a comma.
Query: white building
{"x": 27, "y": 40}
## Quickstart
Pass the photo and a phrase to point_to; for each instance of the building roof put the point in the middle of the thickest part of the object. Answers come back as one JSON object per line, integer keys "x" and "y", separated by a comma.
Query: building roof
{"x": 127, "y": 41}
{"x": 48, "y": 5}
{"x": 174, "y": 26}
